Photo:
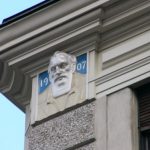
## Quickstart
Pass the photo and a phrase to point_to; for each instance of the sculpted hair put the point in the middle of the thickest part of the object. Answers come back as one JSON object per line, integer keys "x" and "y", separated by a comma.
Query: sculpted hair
{"x": 70, "y": 58}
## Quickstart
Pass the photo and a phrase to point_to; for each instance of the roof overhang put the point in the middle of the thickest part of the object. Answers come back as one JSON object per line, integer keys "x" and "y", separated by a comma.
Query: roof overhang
{"x": 27, "y": 43}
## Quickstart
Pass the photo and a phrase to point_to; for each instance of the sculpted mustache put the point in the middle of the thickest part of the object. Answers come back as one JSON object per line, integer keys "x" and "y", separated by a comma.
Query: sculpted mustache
{"x": 59, "y": 77}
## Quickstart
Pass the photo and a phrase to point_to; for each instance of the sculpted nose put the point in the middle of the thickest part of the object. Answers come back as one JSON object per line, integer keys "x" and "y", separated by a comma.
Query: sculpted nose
{"x": 57, "y": 70}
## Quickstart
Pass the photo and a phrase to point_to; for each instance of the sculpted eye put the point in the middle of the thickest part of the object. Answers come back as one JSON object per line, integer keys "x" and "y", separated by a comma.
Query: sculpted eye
{"x": 63, "y": 65}
{"x": 53, "y": 69}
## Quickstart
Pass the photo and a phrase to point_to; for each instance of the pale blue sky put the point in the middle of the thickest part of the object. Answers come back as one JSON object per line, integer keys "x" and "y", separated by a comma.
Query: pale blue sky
{"x": 12, "y": 120}
{"x": 12, "y": 125}
{"x": 11, "y": 7}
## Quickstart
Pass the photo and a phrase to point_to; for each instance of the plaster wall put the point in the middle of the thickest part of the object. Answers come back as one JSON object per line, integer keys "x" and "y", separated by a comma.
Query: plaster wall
{"x": 116, "y": 36}
{"x": 116, "y": 121}
{"x": 108, "y": 123}
{"x": 69, "y": 130}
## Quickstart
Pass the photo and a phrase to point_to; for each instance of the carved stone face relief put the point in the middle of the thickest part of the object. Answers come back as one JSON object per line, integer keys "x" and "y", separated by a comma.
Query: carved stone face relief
{"x": 63, "y": 86}
{"x": 61, "y": 69}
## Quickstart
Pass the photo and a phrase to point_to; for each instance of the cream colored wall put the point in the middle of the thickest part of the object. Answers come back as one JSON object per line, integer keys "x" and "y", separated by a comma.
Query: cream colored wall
{"x": 116, "y": 121}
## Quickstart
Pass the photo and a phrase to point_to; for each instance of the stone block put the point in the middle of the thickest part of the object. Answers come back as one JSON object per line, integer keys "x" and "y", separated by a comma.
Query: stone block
{"x": 121, "y": 120}
{"x": 65, "y": 131}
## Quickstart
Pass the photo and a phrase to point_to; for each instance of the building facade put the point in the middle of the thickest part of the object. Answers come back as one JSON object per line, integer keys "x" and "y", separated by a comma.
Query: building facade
{"x": 113, "y": 38}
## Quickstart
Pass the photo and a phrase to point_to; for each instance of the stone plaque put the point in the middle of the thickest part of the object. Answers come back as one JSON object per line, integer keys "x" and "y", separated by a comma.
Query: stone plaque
{"x": 63, "y": 85}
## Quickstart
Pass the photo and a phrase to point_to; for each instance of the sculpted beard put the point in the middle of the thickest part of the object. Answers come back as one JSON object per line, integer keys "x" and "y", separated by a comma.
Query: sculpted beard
{"x": 61, "y": 70}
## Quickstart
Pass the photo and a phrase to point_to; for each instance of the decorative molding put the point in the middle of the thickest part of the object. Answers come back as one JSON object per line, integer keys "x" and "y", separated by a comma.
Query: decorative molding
{"x": 125, "y": 28}
{"x": 118, "y": 86}
{"x": 129, "y": 14}
{"x": 52, "y": 25}
{"x": 103, "y": 25}
{"x": 87, "y": 101}
{"x": 72, "y": 34}
{"x": 124, "y": 74}
{"x": 7, "y": 76}
{"x": 123, "y": 70}
{"x": 25, "y": 54}
{"x": 41, "y": 18}
{"x": 126, "y": 49}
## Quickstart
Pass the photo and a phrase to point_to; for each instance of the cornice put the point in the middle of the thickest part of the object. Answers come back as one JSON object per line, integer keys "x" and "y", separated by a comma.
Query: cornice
{"x": 124, "y": 70}
{"x": 26, "y": 53}
{"x": 51, "y": 25}
{"x": 124, "y": 16}
{"x": 123, "y": 74}
{"x": 120, "y": 26}
{"x": 40, "y": 18}
{"x": 126, "y": 49}
{"x": 6, "y": 77}
{"x": 27, "y": 43}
